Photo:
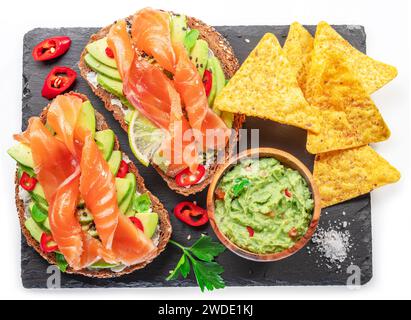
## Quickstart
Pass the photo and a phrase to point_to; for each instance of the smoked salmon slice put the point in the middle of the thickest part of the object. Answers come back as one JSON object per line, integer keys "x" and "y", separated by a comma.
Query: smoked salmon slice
{"x": 62, "y": 116}
{"x": 98, "y": 189}
{"x": 65, "y": 227}
{"x": 131, "y": 246}
{"x": 119, "y": 42}
{"x": 53, "y": 162}
{"x": 189, "y": 85}
{"x": 151, "y": 34}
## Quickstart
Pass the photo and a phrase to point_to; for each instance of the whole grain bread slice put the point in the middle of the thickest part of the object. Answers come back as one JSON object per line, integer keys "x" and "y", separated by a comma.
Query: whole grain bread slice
{"x": 164, "y": 219}
{"x": 222, "y": 50}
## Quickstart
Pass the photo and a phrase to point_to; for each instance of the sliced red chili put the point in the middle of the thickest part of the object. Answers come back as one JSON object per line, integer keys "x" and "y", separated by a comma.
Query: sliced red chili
{"x": 51, "y": 48}
{"x": 288, "y": 193}
{"x": 47, "y": 244}
{"x": 137, "y": 222}
{"x": 191, "y": 214}
{"x": 208, "y": 81}
{"x": 186, "y": 178}
{"x": 123, "y": 170}
{"x": 58, "y": 80}
{"x": 250, "y": 231}
{"x": 109, "y": 53}
{"x": 27, "y": 183}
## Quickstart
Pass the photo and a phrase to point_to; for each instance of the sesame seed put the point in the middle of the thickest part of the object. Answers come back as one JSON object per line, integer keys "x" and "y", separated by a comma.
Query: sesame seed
{"x": 247, "y": 40}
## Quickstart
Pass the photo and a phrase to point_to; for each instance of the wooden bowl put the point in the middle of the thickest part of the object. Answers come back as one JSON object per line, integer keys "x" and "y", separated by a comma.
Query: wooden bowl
{"x": 287, "y": 160}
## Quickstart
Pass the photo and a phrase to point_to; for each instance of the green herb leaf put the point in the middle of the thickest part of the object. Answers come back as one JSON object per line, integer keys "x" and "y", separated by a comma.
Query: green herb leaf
{"x": 205, "y": 249}
{"x": 61, "y": 262}
{"x": 208, "y": 275}
{"x": 183, "y": 267}
{"x": 142, "y": 204}
{"x": 38, "y": 214}
{"x": 207, "y": 272}
{"x": 190, "y": 39}
{"x": 240, "y": 185}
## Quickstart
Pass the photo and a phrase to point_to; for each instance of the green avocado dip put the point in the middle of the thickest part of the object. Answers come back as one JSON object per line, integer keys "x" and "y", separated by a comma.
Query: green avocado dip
{"x": 262, "y": 206}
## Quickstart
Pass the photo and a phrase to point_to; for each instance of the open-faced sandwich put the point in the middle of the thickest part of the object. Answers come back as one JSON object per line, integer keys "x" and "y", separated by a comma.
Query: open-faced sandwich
{"x": 159, "y": 73}
{"x": 81, "y": 202}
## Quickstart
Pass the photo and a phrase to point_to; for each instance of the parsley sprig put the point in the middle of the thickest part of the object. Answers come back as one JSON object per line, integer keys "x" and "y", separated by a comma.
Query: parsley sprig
{"x": 200, "y": 256}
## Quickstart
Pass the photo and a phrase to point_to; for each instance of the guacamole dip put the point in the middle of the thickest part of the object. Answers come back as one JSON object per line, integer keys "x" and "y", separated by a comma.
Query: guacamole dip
{"x": 262, "y": 206}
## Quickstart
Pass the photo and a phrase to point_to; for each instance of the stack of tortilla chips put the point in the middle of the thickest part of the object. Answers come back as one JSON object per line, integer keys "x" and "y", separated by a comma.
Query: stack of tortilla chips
{"x": 323, "y": 85}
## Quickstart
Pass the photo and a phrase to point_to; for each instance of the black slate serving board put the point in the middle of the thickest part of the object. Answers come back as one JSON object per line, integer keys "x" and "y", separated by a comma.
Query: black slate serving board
{"x": 304, "y": 268}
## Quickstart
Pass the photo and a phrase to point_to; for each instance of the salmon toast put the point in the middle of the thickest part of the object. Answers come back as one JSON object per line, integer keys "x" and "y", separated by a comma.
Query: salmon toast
{"x": 81, "y": 202}
{"x": 162, "y": 71}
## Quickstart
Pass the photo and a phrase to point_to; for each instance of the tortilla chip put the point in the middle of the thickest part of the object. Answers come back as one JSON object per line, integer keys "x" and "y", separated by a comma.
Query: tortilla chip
{"x": 266, "y": 87}
{"x": 372, "y": 74}
{"x": 298, "y": 48}
{"x": 349, "y": 118}
{"x": 345, "y": 175}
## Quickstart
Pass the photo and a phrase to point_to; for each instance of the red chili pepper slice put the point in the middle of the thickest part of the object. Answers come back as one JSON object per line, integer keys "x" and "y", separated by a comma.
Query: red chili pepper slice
{"x": 51, "y": 48}
{"x": 58, "y": 80}
{"x": 186, "y": 178}
{"x": 185, "y": 211}
{"x": 45, "y": 243}
{"x": 123, "y": 170}
{"x": 208, "y": 81}
{"x": 109, "y": 53}
{"x": 250, "y": 231}
{"x": 288, "y": 193}
{"x": 137, "y": 222}
{"x": 27, "y": 183}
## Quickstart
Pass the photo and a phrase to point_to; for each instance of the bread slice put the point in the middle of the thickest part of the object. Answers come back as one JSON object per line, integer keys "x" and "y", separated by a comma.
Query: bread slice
{"x": 164, "y": 219}
{"x": 222, "y": 50}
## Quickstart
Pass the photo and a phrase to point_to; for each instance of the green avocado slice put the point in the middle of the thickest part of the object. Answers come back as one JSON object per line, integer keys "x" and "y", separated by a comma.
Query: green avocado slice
{"x": 34, "y": 229}
{"x": 98, "y": 50}
{"x": 199, "y": 56}
{"x": 105, "y": 141}
{"x": 98, "y": 67}
{"x": 115, "y": 161}
{"x": 178, "y": 27}
{"x": 127, "y": 201}
{"x": 87, "y": 117}
{"x": 113, "y": 86}
{"x": 22, "y": 154}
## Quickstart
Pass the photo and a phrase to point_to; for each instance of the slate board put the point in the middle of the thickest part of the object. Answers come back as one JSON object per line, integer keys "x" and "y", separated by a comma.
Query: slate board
{"x": 301, "y": 269}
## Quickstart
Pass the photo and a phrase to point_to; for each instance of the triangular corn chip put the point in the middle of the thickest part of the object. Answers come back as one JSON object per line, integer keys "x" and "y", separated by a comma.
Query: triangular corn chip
{"x": 299, "y": 45}
{"x": 345, "y": 175}
{"x": 349, "y": 118}
{"x": 298, "y": 48}
{"x": 372, "y": 74}
{"x": 266, "y": 87}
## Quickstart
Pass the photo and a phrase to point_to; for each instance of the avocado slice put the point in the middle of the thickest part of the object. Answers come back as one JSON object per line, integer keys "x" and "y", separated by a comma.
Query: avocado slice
{"x": 149, "y": 221}
{"x": 127, "y": 201}
{"x": 103, "y": 265}
{"x": 199, "y": 56}
{"x": 87, "y": 117}
{"x": 115, "y": 161}
{"x": 98, "y": 50}
{"x": 34, "y": 229}
{"x": 113, "y": 86}
{"x": 46, "y": 225}
{"x": 219, "y": 83}
{"x": 124, "y": 187}
{"x": 178, "y": 28}
{"x": 39, "y": 197}
{"x": 105, "y": 141}
{"x": 22, "y": 154}
{"x": 212, "y": 68}
{"x": 98, "y": 67}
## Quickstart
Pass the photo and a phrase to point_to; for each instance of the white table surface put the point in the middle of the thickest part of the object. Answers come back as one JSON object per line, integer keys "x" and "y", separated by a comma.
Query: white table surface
{"x": 388, "y": 40}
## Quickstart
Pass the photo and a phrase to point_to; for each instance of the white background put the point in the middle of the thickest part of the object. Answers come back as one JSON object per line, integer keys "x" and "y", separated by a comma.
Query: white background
{"x": 388, "y": 40}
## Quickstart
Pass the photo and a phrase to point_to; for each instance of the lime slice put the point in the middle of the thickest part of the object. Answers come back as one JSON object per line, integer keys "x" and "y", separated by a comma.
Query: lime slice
{"x": 144, "y": 138}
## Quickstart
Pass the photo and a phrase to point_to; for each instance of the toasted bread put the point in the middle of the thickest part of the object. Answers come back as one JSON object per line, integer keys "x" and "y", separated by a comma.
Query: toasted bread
{"x": 164, "y": 220}
{"x": 222, "y": 50}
